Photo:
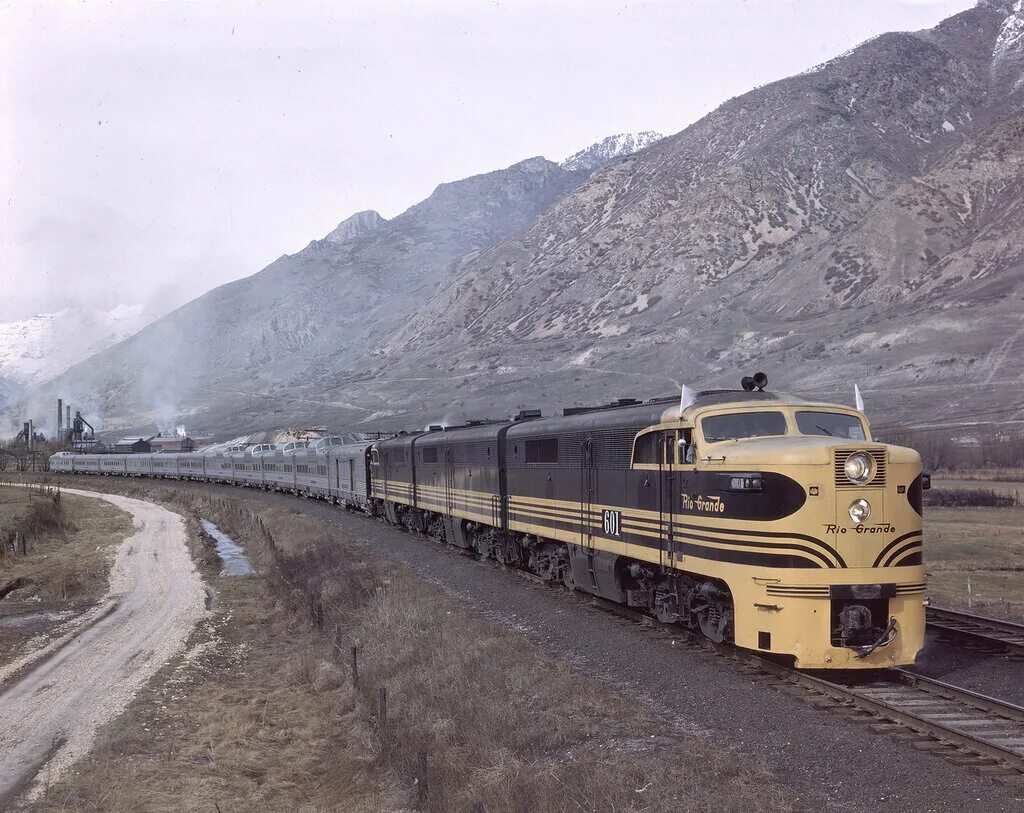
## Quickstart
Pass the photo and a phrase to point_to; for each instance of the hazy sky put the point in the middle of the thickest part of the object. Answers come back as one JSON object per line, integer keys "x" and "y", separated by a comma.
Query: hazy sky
{"x": 149, "y": 152}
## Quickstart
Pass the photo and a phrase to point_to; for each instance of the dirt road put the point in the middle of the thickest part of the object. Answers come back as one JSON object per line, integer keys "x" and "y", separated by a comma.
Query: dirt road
{"x": 53, "y": 700}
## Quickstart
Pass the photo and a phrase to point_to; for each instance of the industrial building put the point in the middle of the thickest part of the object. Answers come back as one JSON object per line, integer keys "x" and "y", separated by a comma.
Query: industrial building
{"x": 133, "y": 445}
{"x": 173, "y": 443}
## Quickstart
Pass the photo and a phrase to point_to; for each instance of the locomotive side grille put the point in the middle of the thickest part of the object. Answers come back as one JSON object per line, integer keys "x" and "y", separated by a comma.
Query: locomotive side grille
{"x": 842, "y": 482}
{"x": 610, "y": 448}
{"x": 799, "y": 590}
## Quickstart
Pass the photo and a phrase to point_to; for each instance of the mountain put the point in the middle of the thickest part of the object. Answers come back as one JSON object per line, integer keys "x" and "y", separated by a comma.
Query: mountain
{"x": 609, "y": 149}
{"x": 273, "y": 343}
{"x": 859, "y": 222}
{"x": 37, "y": 349}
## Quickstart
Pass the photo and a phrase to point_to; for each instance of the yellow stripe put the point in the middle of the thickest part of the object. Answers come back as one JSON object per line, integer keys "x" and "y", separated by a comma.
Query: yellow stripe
{"x": 895, "y": 562}
{"x": 640, "y": 522}
{"x": 535, "y": 514}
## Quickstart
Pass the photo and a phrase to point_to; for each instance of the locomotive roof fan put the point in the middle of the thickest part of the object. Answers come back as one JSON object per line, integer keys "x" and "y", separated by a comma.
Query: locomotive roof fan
{"x": 757, "y": 381}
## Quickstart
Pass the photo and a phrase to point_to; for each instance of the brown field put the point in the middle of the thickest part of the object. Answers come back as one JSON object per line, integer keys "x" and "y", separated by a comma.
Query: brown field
{"x": 974, "y": 558}
{"x": 988, "y": 475}
{"x": 1010, "y": 488}
{"x": 67, "y": 564}
{"x": 268, "y": 719}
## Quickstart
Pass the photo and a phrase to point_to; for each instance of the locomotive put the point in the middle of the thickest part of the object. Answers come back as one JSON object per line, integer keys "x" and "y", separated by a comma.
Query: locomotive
{"x": 753, "y": 517}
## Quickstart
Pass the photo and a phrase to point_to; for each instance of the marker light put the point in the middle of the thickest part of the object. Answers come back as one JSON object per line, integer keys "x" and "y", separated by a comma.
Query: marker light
{"x": 860, "y": 510}
{"x": 746, "y": 482}
{"x": 859, "y": 468}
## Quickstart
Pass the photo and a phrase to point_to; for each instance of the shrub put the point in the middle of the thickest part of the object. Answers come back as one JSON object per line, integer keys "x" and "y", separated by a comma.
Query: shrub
{"x": 967, "y": 498}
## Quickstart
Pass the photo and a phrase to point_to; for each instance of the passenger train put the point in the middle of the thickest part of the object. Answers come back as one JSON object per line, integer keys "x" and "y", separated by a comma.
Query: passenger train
{"x": 757, "y": 518}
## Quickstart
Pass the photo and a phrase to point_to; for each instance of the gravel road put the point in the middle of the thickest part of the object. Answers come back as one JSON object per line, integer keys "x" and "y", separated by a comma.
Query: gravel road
{"x": 53, "y": 701}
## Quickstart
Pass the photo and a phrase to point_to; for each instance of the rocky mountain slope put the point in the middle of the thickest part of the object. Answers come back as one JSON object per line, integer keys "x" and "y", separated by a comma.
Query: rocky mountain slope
{"x": 279, "y": 339}
{"x": 859, "y": 222}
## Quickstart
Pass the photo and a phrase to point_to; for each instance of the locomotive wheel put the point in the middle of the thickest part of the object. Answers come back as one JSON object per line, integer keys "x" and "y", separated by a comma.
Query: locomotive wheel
{"x": 716, "y": 621}
{"x": 568, "y": 579}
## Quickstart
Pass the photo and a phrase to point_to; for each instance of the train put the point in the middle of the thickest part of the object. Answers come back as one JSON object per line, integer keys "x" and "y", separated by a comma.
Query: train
{"x": 754, "y": 518}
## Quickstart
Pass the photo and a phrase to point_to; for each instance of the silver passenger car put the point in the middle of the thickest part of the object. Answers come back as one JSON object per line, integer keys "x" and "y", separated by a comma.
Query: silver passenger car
{"x": 349, "y": 471}
{"x": 329, "y": 471}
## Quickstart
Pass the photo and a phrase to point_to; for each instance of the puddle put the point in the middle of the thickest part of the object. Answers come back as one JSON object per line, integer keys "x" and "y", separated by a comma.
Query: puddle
{"x": 28, "y": 619}
{"x": 236, "y": 563}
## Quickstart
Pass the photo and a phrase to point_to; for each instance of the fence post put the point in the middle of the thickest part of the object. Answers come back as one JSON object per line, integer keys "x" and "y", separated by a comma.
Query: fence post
{"x": 422, "y": 791}
{"x": 355, "y": 668}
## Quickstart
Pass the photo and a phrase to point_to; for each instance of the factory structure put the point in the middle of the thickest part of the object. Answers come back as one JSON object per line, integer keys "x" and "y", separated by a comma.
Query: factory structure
{"x": 31, "y": 448}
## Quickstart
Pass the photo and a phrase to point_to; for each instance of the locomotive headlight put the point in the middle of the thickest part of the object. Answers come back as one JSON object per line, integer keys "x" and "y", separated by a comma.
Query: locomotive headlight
{"x": 859, "y": 468}
{"x": 860, "y": 510}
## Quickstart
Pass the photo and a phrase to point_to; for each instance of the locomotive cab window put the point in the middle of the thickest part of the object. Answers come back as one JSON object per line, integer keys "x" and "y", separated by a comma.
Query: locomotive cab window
{"x": 687, "y": 449}
{"x": 430, "y": 454}
{"x": 738, "y": 425}
{"x": 655, "y": 448}
{"x": 830, "y": 424}
{"x": 645, "y": 450}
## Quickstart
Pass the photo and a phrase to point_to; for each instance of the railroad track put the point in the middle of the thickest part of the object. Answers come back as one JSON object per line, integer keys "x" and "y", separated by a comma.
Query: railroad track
{"x": 1003, "y": 636}
{"x": 965, "y": 727}
{"x": 979, "y": 732}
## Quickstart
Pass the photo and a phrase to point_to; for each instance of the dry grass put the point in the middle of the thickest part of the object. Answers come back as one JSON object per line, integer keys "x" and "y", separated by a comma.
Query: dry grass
{"x": 1007, "y": 487}
{"x": 504, "y": 725}
{"x": 975, "y": 558}
{"x": 270, "y": 721}
{"x": 996, "y": 474}
{"x": 951, "y": 497}
{"x": 67, "y": 563}
{"x": 253, "y": 725}
{"x": 500, "y": 722}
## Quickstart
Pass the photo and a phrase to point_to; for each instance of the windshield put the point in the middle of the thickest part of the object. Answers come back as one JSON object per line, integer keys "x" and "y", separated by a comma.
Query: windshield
{"x": 743, "y": 425}
{"x": 831, "y": 424}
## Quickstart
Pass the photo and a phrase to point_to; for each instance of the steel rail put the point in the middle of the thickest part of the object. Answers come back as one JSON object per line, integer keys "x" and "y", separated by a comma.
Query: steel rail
{"x": 990, "y": 729}
{"x": 1004, "y": 635}
{"x": 974, "y": 722}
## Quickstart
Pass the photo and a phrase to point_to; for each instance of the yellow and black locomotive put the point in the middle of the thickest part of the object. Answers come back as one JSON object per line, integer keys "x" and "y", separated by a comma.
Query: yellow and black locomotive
{"x": 757, "y": 518}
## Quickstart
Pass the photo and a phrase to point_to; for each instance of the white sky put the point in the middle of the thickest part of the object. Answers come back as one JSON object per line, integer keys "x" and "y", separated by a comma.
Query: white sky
{"x": 150, "y": 151}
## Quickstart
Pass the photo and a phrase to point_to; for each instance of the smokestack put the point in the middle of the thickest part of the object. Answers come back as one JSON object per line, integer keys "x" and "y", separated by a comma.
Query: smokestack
{"x": 31, "y": 435}
{"x": 60, "y": 419}
{"x": 67, "y": 422}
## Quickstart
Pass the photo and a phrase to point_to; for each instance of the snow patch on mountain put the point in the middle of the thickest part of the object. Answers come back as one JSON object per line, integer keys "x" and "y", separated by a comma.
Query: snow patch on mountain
{"x": 1008, "y": 53}
{"x": 1012, "y": 32}
{"x": 608, "y": 149}
{"x": 37, "y": 349}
